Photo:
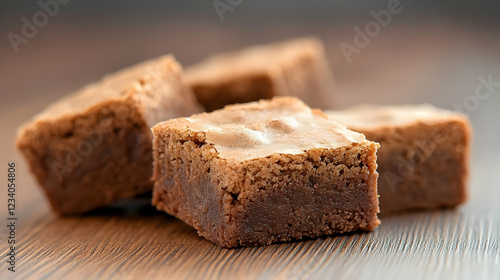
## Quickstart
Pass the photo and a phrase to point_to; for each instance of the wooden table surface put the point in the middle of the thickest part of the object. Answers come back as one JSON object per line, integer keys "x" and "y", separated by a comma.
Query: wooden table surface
{"x": 440, "y": 65}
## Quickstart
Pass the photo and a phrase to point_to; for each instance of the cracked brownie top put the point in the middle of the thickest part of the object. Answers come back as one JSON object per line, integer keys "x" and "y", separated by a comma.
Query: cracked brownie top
{"x": 259, "y": 129}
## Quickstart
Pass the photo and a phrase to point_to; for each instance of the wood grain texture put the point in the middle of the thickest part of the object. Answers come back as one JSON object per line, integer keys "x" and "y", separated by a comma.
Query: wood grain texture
{"x": 133, "y": 241}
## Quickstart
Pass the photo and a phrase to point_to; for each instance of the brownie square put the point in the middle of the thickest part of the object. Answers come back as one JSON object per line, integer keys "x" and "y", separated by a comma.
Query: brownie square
{"x": 263, "y": 172}
{"x": 295, "y": 67}
{"x": 94, "y": 147}
{"x": 423, "y": 160}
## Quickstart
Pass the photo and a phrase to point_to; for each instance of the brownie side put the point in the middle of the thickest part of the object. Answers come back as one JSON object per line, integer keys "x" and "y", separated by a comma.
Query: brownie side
{"x": 422, "y": 165}
{"x": 309, "y": 78}
{"x": 273, "y": 199}
{"x": 92, "y": 159}
{"x": 289, "y": 197}
{"x": 185, "y": 185}
{"x": 251, "y": 87}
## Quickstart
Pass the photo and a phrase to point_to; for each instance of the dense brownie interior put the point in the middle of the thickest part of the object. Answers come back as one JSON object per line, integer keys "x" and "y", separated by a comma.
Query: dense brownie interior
{"x": 83, "y": 165}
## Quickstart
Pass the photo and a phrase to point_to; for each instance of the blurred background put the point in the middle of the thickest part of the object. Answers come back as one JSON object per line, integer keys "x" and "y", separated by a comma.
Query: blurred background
{"x": 438, "y": 52}
{"x": 429, "y": 51}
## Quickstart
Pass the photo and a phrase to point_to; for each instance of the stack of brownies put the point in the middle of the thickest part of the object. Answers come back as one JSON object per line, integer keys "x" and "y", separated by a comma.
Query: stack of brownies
{"x": 269, "y": 169}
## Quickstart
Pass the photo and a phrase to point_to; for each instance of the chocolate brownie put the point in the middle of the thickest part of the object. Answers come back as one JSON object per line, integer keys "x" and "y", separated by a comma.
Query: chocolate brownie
{"x": 93, "y": 147}
{"x": 423, "y": 160}
{"x": 263, "y": 172}
{"x": 295, "y": 67}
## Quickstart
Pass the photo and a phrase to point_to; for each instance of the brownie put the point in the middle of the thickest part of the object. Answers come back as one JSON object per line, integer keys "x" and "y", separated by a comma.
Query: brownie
{"x": 423, "y": 160}
{"x": 263, "y": 172}
{"x": 296, "y": 67}
{"x": 94, "y": 147}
